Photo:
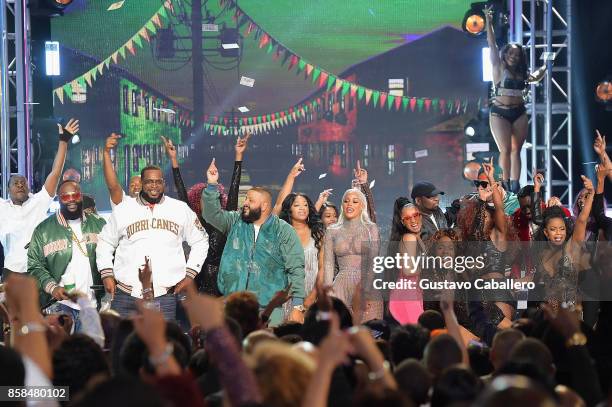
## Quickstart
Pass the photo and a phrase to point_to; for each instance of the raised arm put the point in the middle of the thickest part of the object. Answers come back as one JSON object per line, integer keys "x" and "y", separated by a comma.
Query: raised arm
{"x": 582, "y": 219}
{"x": 600, "y": 148}
{"x": 108, "y": 240}
{"x": 176, "y": 172}
{"x": 234, "y": 188}
{"x": 500, "y": 216}
{"x": 211, "y": 207}
{"x": 296, "y": 170}
{"x": 112, "y": 183}
{"x": 323, "y": 196}
{"x": 494, "y": 51}
{"x": 65, "y": 134}
{"x": 536, "y": 200}
{"x": 361, "y": 177}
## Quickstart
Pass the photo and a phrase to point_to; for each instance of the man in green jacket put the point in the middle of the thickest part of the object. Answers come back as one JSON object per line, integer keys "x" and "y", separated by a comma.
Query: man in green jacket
{"x": 62, "y": 253}
{"x": 262, "y": 254}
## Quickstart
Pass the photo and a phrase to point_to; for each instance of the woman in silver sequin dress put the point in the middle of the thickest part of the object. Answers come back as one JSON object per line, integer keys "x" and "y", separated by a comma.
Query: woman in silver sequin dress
{"x": 353, "y": 242}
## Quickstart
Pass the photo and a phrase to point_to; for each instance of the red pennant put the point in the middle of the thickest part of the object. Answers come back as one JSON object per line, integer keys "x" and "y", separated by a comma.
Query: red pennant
{"x": 383, "y": 98}
{"x": 442, "y": 104}
{"x": 412, "y": 103}
{"x": 264, "y": 40}
{"x": 323, "y": 78}
{"x": 273, "y": 116}
{"x": 249, "y": 29}
{"x": 398, "y": 102}
{"x": 427, "y": 104}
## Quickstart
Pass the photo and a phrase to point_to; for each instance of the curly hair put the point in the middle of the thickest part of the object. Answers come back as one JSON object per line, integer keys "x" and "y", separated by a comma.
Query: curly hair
{"x": 472, "y": 222}
{"x": 194, "y": 196}
{"x": 550, "y": 213}
{"x": 317, "y": 230}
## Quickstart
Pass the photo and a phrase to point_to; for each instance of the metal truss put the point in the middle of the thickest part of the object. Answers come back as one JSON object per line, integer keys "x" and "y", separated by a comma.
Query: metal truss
{"x": 544, "y": 27}
{"x": 15, "y": 92}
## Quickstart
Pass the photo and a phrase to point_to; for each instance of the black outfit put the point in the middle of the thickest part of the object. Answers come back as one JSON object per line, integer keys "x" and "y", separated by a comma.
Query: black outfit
{"x": 206, "y": 280}
{"x": 428, "y": 227}
{"x": 511, "y": 114}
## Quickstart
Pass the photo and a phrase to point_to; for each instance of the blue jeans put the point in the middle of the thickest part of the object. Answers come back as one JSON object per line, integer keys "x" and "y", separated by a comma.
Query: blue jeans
{"x": 59, "y": 308}
{"x": 125, "y": 305}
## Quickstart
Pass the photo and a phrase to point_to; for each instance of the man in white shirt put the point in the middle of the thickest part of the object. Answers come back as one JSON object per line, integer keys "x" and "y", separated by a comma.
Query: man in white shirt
{"x": 23, "y": 211}
{"x": 151, "y": 225}
{"x": 112, "y": 183}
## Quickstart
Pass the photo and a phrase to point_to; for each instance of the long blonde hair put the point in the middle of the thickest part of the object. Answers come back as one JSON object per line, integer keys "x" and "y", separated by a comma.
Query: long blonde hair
{"x": 364, "y": 218}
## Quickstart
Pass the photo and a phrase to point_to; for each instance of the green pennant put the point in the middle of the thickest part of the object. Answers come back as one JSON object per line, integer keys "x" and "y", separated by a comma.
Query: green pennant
{"x": 315, "y": 74}
{"x": 162, "y": 12}
{"x": 301, "y": 65}
{"x": 122, "y": 51}
{"x": 346, "y": 86}
{"x": 405, "y": 101}
{"x": 206, "y": 126}
{"x": 420, "y": 104}
{"x": 250, "y": 120}
{"x": 435, "y": 102}
{"x": 93, "y": 73}
{"x": 375, "y": 96}
{"x": 330, "y": 82}
{"x": 360, "y": 92}
{"x": 390, "y": 101}
{"x": 268, "y": 117}
{"x": 81, "y": 82}
{"x": 137, "y": 40}
{"x": 151, "y": 26}
{"x": 68, "y": 90}
{"x": 449, "y": 105}
{"x": 270, "y": 47}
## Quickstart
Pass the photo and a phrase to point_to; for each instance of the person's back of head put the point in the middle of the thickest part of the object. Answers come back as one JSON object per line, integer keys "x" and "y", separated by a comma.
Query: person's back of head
{"x": 288, "y": 328}
{"x": 134, "y": 357}
{"x": 243, "y": 306}
{"x": 314, "y": 331}
{"x": 441, "y": 353}
{"x": 503, "y": 343}
{"x": 120, "y": 391}
{"x": 431, "y": 319}
{"x": 78, "y": 360}
{"x": 12, "y": 372}
{"x": 512, "y": 391}
{"x": 479, "y": 355}
{"x": 408, "y": 342}
{"x": 256, "y": 338}
{"x": 413, "y": 380}
{"x": 533, "y": 351}
{"x": 382, "y": 398}
{"x": 456, "y": 386}
{"x": 110, "y": 324}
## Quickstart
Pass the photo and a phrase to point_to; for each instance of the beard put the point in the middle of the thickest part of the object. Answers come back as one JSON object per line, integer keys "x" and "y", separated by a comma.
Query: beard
{"x": 71, "y": 215}
{"x": 254, "y": 215}
{"x": 151, "y": 200}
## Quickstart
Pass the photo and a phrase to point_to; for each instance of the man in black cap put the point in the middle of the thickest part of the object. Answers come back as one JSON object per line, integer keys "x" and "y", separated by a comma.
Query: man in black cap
{"x": 426, "y": 197}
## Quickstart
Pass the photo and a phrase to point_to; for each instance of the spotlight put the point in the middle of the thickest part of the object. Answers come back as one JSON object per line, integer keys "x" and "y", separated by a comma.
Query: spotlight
{"x": 75, "y": 139}
{"x": 470, "y": 128}
{"x": 52, "y": 58}
{"x": 474, "y": 19}
{"x": 59, "y": 4}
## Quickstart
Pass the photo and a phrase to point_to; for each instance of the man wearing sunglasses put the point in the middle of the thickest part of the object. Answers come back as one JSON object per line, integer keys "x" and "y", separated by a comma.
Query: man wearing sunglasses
{"x": 23, "y": 211}
{"x": 426, "y": 197}
{"x": 152, "y": 225}
{"x": 485, "y": 193}
{"x": 62, "y": 253}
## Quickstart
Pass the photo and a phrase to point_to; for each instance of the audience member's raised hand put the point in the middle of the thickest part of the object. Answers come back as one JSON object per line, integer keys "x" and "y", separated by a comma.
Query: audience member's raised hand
{"x": 599, "y": 145}
{"x": 203, "y": 310}
{"x": 212, "y": 174}
{"x": 297, "y": 168}
{"x": 170, "y": 150}
{"x": 361, "y": 174}
{"x": 111, "y": 142}
{"x": 336, "y": 347}
{"x": 241, "y": 146}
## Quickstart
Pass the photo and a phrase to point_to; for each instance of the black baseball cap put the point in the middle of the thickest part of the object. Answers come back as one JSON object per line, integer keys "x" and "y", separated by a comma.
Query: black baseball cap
{"x": 424, "y": 188}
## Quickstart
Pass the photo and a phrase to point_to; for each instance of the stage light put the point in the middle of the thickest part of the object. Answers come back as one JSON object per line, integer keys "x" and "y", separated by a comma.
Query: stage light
{"x": 474, "y": 19}
{"x": 75, "y": 139}
{"x": 59, "y": 4}
{"x": 603, "y": 91}
{"x": 243, "y": 109}
{"x": 470, "y": 131}
{"x": 52, "y": 58}
{"x": 471, "y": 127}
{"x": 487, "y": 67}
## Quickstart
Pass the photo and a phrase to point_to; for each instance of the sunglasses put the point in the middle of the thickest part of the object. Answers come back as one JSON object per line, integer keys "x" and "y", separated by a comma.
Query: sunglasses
{"x": 482, "y": 184}
{"x": 70, "y": 196}
{"x": 409, "y": 218}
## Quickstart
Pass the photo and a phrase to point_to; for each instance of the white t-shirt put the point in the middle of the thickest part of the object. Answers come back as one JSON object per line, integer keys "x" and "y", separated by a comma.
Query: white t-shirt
{"x": 17, "y": 223}
{"x": 433, "y": 219}
{"x": 256, "y": 227}
{"x": 124, "y": 198}
{"x": 79, "y": 267}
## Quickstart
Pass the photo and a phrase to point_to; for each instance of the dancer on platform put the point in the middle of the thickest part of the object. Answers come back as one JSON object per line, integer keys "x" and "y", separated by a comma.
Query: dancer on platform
{"x": 23, "y": 211}
{"x": 508, "y": 116}
{"x": 206, "y": 280}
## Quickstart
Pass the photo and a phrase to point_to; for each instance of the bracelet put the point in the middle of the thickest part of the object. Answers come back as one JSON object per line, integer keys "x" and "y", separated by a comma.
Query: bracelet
{"x": 323, "y": 316}
{"x": 380, "y": 373}
{"x": 31, "y": 327}
{"x": 147, "y": 290}
{"x": 163, "y": 358}
{"x": 577, "y": 339}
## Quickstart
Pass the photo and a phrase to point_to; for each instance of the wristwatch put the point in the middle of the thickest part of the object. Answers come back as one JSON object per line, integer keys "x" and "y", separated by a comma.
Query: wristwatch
{"x": 300, "y": 308}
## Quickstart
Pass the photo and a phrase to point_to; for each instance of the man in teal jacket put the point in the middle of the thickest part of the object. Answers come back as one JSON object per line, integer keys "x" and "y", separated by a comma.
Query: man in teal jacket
{"x": 262, "y": 254}
{"x": 62, "y": 252}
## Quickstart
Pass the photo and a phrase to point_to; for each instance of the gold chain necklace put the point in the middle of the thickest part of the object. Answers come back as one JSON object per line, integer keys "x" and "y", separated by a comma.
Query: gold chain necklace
{"x": 78, "y": 242}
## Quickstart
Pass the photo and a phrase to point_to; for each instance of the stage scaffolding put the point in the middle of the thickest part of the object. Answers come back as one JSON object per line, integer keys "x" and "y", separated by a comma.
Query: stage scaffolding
{"x": 15, "y": 91}
{"x": 544, "y": 26}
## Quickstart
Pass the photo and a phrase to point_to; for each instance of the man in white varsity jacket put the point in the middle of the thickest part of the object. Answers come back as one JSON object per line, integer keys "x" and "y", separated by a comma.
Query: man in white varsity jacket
{"x": 155, "y": 226}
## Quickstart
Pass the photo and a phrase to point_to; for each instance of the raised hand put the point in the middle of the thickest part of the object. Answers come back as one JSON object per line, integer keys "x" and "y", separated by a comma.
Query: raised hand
{"x": 212, "y": 174}
{"x": 599, "y": 145}
{"x": 588, "y": 184}
{"x": 323, "y": 196}
{"x": 145, "y": 273}
{"x": 602, "y": 171}
{"x": 361, "y": 174}
{"x": 203, "y": 310}
{"x": 150, "y": 326}
{"x": 488, "y": 11}
{"x": 538, "y": 180}
{"x": 553, "y": 201}
{"x": 169, "y": 146}
{"x": 241, "y": 146}
{"x": 111, "y": 142}
{"x": 66, "y": 132}
{"x": 297, "y": 169}
{"x": 489, "y": 170}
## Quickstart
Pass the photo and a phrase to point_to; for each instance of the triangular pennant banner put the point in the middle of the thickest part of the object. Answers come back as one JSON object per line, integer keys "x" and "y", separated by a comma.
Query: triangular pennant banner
{"x": 420, "y": 103}
{"x": 346, "y": 86}
{"x": 68, "y": 90}
{"x": 413, "y": 103}
{"x": 122, "y": 52}
{"x": 59, "y": 92}
{"x": 137, "y": 40}
{"x": 338, "y": 85}
{"x": 383, "y": 99}
{"x": 162, "y": 12}
{"x": 315, "y": 74}
{"x": 390, "y": 101}
{"x": 130, "y": 46}
{"x": 151, "y": 27}
{"x": 353, "y": 90}
{"x": 368, "y": 95}
{"x": 376, "y": 96}
{"x": 114, "y": 57}
{"x": 156, "y": 20}
{"x": 330, "y": 82}
{"x": 301, "y": 65}
{"x": 360, "y": 92}
{"x": 427, "y": 104}
{"x": 309, "y": 69}
{"x": 398, "y": 102}
{"x": 294, "y": 60}
{"x": 145, "y": 34}
{"x": 87, "y": 77}
{"x": 323, "y": 78}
